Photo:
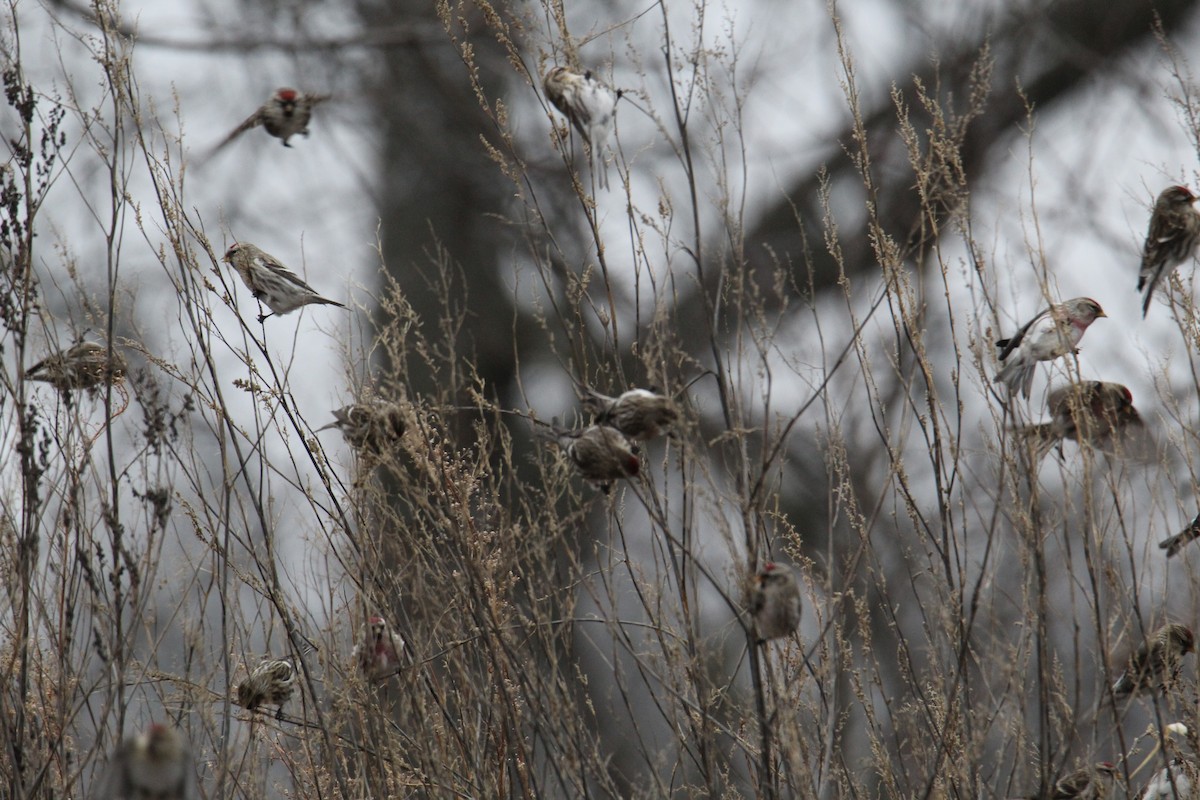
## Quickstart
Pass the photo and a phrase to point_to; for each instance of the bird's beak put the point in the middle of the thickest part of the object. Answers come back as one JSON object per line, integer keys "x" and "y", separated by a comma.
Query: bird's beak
{"x": 1101, "y": 314}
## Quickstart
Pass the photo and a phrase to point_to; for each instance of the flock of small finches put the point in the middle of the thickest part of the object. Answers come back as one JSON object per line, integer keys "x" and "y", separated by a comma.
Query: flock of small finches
{"x": 157, "y": 762}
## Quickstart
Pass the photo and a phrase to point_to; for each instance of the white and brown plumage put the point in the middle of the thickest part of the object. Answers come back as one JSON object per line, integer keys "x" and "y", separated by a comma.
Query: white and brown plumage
{"x": 83, "y": 366}
{"x": 1179, "y": 780}
{"x": 1092, "y": 413}
{"x": 154, "y": 765}
{"x": 271, "y": 283}
{"x": 638, "y": 413}
{"x": 600, "y": 453}
{"x": 1087, "y": 783}
{"x": 1051, "y": 334}
{"x": 1154, "y": 666}
{"x": 774, "y": 601}
{"x": 378, "y": 650}
{"x": 272, "y": 682}
{"x": 285, "y": 114}
{"x": 590, "y": 106}
{"x": 373, "y": 428}
{"x": 1171, "y": 240}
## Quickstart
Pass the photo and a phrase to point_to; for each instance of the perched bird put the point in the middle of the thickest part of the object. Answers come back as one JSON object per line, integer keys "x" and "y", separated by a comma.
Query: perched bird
{"x": 271, "y": 282}
{"x": 378, "y": 650}
{"x": 774, "y": 602}
{"x": 84, "y": 366}
{"x": 1088, "y": 783}
{"x": 1155, "y": 665}
{"x": 600, "y": 453}
{"x": 1182, "y": 539}
{"x": 1094, "y": 413}
{"x": 1171, "y": 240}
{"x": 154, "y": 765}
{"x": 372, "y": 427}
{"x": 590, "y": 106}
{"x": 640, "y": 414}
{"x": 1179, "y": 780}
{"x": 284, "y": 115}
{"x": 1051, "y": 334}
{"x": 271, "y": 682}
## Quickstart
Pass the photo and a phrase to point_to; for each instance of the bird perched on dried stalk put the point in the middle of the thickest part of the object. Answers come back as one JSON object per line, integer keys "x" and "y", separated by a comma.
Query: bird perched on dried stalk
{"x": 374, "y": 428}
{"x": 601, "y": 454}
{"x": 377, "y": 652}
{"x": 285, "y": 114}
{"x": 271, "y": 282}
{"x": 1179, "y": 780}
{"x": 1154, "y": 666}
{"x": 1182, "y": 539}
{"x": 83, "y": 366}
{"x": 638, "y": 413}
{"x": 1088, "y": 783}
{"x": 774, "y": 602}
{"x": 1051, "y": 334}
{"x": 154, "y": 765}
{"x": 1093, "y": 413}
{"x": 272, "y": 682}
{"x": 590, "y": 106}
{"x": 1172, "y": 238}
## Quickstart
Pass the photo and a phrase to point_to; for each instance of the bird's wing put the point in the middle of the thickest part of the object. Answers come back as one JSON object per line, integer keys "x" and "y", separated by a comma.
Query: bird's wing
{"x": 252, "y": 121}
{"x": 1013, "y": 342}
{"x": 281, "y": 271}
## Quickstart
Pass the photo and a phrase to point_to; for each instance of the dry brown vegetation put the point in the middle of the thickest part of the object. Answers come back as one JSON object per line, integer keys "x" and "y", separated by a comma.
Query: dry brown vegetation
{"x": 962, "y": 618}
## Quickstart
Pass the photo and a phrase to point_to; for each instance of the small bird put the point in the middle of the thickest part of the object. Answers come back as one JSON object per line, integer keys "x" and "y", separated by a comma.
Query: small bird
{"x": 271, "y": 282}
{"x": 590, "y": 106}
{"x": 1094, "y": 413}
{"x": 1171, "y": 240}
{"x": 1182, "y": 539}
{"x": 640, "y": 414}
{"x": 271, "y": 682}
{"x": 83, "y": 366}
{"x": 774, "y": 602}
{"x": 154, "y": 765}
{"x": 371, "y": 427}
{"x": 600, "y": 453}
{"x": 378, "y": 650}
{"x": 284, "y": 115}
{"x": 1051, "y": 334}
{"x": 1179, "y": 780}
{"x": 1155, "y": 665}
{"x": 1088, "y": 783}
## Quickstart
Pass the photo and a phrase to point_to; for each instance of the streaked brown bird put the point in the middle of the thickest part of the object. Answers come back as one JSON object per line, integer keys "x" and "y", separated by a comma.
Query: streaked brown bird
{"x": 774, "y": 601}
{"x": 271, "y": 283}
{"x": 83, "y": 366}
{"x": 1154, "y": 667}
{"x": 374, "y": 428}
{"x": 1172, "y": 238}
{"x": 154, "y": 765}
{"x": 272, "y": 682}
{"x": 640, "y": 414}
{"x": 601, "y": 454}
{"x": 1087, "y": 783}
{"x": 378, "y": 650}
{"x": 1092, "y": 413}
{"x": 285, "y": 114}
{"x": 1051, "y": 334}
